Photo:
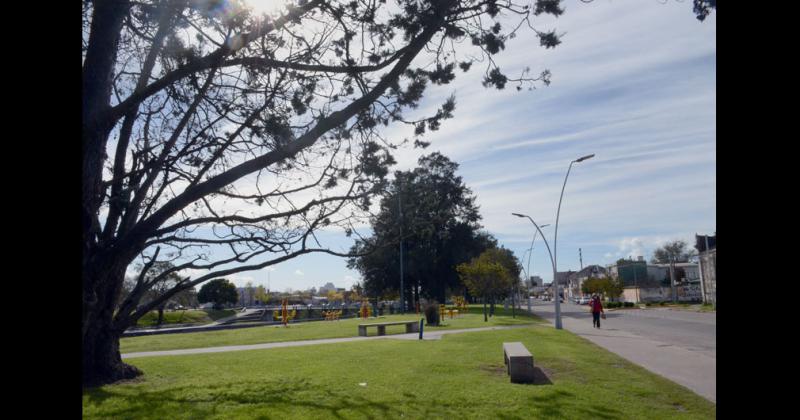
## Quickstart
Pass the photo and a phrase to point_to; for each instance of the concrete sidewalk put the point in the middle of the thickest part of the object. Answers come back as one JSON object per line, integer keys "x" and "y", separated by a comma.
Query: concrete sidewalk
{"x": 433, "y": 335}
{"x": 695, "y": 370}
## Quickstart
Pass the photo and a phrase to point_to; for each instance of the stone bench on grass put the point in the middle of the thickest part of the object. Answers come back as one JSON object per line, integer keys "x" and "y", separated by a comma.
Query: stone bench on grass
{"x": 519, "y": 361}
{"x": 411, "y": 326}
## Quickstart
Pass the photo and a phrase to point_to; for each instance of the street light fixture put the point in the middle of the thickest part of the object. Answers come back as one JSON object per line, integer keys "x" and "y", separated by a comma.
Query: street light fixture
{"x": 528, "y": 273}
{"x": 530, "y": 251}
{"x": 552, "y": 262}
{"x": 554, "y": 253}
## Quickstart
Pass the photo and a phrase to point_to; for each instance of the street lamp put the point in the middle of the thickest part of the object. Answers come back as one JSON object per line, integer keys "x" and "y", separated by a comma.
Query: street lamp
{"x": 554, "y": 254}
{"x": 552, "y": 262}
{"x": 530, "y": 251}
{"x": 528, "y": 273}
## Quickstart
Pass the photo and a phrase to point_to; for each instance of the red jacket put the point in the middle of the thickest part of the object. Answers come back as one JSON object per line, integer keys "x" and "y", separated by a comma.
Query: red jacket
{"x": 597, "y": 306}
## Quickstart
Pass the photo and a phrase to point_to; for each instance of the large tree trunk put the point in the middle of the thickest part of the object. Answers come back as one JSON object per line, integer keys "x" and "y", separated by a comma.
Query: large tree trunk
{"x": 160, "y": 316}
{"x": 102, "y": 363}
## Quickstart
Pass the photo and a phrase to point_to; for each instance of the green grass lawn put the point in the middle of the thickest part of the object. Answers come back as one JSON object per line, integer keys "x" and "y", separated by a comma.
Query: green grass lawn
{"x": 184, "y": 317}
{"x": 311, "y": 330}
{"x": 461, "y": 376}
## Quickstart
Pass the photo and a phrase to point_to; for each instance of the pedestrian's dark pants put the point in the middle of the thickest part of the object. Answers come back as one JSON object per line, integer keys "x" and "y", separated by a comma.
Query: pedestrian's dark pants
{"x": 596, "y": 319}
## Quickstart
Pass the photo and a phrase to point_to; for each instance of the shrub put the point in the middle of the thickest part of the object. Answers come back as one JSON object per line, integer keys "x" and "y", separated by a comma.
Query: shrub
{"x": 432, "y": 313}
{"x": 629, "y": 304}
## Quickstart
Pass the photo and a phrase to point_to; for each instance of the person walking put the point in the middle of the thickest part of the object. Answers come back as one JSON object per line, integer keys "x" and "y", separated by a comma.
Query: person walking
{"x": 597, "y": 309}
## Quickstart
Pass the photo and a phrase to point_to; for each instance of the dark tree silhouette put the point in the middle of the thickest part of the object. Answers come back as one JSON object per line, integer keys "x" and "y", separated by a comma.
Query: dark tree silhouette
{"x": 220, "y": 140}
{"x": 439, "y": 226}
{"x": 673, "y": 252}
{"x": 219, "y": 292}
{"x": 701, "y": 8}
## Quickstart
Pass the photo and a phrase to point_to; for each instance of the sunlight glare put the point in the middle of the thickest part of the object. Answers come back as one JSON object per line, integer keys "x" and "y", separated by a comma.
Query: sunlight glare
{"x": 269, "y": 7}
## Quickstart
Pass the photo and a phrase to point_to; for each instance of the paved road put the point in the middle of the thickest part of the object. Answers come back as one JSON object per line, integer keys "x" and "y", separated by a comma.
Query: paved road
{"x": 679, "y": 345}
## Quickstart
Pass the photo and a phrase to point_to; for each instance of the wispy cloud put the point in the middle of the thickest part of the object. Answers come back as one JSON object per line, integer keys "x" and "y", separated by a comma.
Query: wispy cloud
{"x": 634, "y": 83}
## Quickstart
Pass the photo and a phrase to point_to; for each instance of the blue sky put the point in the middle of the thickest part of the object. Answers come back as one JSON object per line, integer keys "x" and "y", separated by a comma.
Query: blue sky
{"x": 634, "y": 82}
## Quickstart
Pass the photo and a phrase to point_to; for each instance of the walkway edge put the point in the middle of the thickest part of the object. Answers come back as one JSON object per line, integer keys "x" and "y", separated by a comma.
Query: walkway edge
{"x": 221, "y": 349}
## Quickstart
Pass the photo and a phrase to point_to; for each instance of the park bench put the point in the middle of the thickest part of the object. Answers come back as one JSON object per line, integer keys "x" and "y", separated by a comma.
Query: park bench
{"x": 411, "y": 326}
{"x": 519, "y": 361}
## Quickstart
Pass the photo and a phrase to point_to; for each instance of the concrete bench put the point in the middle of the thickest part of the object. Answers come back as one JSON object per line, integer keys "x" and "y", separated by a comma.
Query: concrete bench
{"x": 519, "y": 361}
{"x": 411, "y": 326}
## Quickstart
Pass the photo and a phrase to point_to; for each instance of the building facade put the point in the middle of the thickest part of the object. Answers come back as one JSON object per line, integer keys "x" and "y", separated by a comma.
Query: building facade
{"x": 575, "y": 281}
{"x": 707, "y": 253}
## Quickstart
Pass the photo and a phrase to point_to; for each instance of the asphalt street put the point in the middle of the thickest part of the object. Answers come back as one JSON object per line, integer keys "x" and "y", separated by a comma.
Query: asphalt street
{"x": 679, "y": 345}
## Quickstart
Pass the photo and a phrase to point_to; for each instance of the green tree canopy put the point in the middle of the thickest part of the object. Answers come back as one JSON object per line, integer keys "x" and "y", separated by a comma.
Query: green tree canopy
{"x": 604, "y": 286}
{"x": 439, "y": 228}
{"x": 491, "y": 274}
{"x": 219, "y": 292}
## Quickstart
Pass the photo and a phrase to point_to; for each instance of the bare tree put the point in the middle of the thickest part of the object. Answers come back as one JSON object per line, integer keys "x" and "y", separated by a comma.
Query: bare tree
{"x": 672, "y": 253}
{"x": 220, "y": 140}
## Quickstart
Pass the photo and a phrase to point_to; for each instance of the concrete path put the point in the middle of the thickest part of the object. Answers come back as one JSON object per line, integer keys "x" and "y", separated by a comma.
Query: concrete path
{"x": 433, "y": 335}
{"x": 678, "y": 345}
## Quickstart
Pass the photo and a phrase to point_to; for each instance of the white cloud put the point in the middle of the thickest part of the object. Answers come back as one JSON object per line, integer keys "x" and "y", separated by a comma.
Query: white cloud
{"x": 634, "y": 83}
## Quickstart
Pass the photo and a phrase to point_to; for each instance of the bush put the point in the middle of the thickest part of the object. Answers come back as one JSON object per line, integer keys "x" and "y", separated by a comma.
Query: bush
{"x": 629, "y": 304}
{"x": 432, "y": 313}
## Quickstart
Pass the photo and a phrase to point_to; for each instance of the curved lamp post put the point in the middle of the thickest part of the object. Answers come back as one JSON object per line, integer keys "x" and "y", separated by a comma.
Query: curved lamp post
{"x": 554, "y": 254}
{"x": 553, "y": 264}
{"x": 530, "y": 251}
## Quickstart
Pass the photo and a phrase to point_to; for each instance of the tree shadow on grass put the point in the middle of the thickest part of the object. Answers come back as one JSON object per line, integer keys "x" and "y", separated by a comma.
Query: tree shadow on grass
{"x": 263, "y": 399}
{"x": 563, "y": 404}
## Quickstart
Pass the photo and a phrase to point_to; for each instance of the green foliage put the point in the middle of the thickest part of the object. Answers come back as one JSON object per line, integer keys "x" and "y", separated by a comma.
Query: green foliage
{"x": 604, "y": 286}
{"x": 219, "y": 292}
{"x": 439, "y": 226}
{"x": 491, "y": 274}
{"x": 261, "y": 295}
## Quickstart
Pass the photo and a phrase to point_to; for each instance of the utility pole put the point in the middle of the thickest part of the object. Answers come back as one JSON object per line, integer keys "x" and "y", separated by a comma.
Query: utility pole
{"x": 580, "y": 256}
{"x": 672, "y": 279}
{"x": 400, "y": 211}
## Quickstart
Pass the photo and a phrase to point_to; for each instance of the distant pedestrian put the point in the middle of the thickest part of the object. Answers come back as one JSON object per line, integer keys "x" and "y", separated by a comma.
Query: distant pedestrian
{"x": 597, "y": 309}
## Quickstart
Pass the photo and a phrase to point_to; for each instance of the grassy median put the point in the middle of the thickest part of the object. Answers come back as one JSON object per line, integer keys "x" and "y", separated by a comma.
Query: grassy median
{"x": 460, "y": 376}
{"x": 311, "y": 330}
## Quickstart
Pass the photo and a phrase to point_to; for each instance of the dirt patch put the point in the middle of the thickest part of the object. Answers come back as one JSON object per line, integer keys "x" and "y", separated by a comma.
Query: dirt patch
{"x": 494, "y": 370}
